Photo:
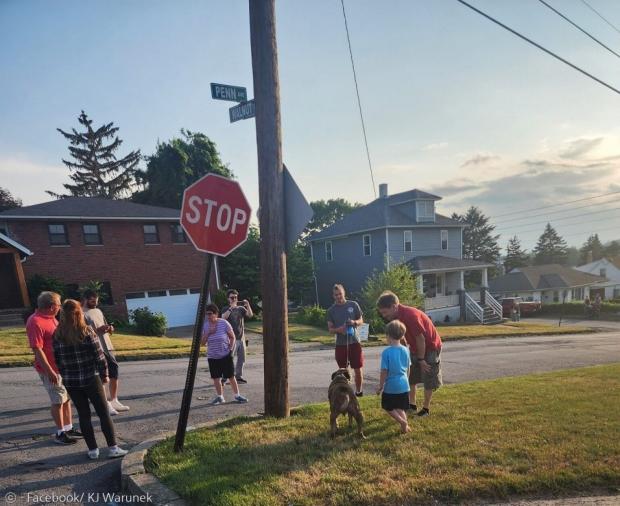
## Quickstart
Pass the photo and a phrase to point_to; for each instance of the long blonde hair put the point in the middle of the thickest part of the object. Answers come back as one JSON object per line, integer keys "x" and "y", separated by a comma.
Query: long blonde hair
{"x": 72, "y": 327}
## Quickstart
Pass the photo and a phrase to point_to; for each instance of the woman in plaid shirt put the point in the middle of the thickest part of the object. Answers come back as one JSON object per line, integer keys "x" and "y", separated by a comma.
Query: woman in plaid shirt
{"x": 79, "y": 357}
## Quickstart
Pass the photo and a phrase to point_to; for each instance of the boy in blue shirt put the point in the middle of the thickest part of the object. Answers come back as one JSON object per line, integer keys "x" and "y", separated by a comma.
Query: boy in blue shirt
{"x": 394, "y": 380}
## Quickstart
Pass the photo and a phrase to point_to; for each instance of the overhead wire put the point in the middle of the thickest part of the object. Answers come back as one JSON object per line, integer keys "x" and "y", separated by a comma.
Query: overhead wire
{"x": 579, "y": 69}
{"x": 600, "y": 15}
{"x": 560, "y": 219}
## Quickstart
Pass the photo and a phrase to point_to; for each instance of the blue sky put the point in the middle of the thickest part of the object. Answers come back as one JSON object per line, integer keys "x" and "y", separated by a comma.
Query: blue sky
{"x": 453, "y": 104}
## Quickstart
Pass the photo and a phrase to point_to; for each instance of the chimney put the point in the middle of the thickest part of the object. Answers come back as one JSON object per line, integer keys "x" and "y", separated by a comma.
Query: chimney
{"x": 589, "y": 257}
{"x": 383, "y": 190}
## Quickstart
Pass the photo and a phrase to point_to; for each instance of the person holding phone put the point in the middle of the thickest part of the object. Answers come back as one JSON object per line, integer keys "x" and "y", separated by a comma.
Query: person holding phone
{"x": 236, "y": 314}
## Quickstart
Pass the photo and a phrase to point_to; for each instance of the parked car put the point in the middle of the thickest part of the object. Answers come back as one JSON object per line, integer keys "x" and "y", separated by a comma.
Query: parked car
{"x": 522, "y": 307}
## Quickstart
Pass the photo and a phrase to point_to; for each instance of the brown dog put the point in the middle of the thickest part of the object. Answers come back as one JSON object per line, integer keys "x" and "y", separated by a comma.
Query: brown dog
{"x": 342, "y": 400}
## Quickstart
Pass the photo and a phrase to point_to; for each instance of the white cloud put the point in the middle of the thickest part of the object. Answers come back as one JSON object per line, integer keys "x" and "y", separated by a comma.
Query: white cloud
{"x": 28, "y": 179}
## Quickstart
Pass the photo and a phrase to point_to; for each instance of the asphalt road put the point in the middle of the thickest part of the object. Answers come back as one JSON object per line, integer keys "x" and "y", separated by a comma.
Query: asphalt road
{"x": 31, "y": 463}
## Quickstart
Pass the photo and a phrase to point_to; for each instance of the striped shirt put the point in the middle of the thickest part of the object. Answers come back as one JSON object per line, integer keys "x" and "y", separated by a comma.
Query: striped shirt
{"x": 218, "y": 343}
{"x": 78, "y": 364}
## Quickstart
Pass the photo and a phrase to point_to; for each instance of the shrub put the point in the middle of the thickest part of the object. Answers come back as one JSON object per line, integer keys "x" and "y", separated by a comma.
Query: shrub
{"x": 312, "y": 315}
{"x": 148, "y": 323}
{"x": 400, "y": 280}
{"x": 39, "y": 283}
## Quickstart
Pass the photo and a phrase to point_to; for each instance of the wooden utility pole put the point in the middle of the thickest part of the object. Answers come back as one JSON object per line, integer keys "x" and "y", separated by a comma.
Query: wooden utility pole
{"x": 271, "y": 212}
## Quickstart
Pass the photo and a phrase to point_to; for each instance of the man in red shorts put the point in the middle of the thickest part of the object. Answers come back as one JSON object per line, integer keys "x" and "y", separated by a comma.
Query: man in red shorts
{"x": 343, "y": 318}
{"x": 424, "y": 344}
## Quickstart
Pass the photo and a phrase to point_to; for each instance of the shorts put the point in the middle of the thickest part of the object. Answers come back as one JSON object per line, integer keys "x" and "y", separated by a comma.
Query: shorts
{"x": 432, "y": 380}
{"x": 354, "y": 353}
{"x": 112, "y": 364}
{"x": 221, "y": 367}
{"x": 57, "y": 393}
{"x": 390, "y": 402}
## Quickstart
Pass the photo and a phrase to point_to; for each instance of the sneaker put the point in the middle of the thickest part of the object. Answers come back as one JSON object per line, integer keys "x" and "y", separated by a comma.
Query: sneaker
{"x": 413, "y": 407}
{"x": 359, "y": 394}
{"x": 239, "y": 398}
{"x": 111, "y": 410}
{"x": 63, "y": 439}
{"x": 423, "y": 412}
{"x": 219, "y": 399}
{"x": 118, "y": 406}
{"x": 93, "y": 454}
{"x": 116, "y": 452}
{"x": 73, "y": 433}
{"x": 241, "y": 380}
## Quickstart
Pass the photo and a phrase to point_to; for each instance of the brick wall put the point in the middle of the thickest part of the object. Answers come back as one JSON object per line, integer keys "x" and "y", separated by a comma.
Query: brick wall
{"x": 123, "y": 259}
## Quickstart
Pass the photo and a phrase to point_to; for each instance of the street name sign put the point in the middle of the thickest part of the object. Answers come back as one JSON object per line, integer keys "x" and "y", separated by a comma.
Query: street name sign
{"x": 228, "y": 92}
{"x": 244, "y": 110}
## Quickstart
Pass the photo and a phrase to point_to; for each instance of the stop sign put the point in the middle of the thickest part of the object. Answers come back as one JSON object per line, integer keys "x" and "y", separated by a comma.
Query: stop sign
{"x": 215, "y": 214}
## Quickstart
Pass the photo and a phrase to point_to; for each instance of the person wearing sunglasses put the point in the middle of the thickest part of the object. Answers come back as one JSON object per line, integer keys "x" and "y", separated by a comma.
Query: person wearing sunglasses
{"x": 236, "y": 314}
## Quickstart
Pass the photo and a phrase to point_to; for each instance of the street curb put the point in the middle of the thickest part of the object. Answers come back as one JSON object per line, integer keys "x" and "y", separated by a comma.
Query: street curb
{"x": 135, "y": 480}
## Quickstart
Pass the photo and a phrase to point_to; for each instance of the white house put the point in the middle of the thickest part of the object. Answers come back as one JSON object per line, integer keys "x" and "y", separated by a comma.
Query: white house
{"x": 606, "y": 268}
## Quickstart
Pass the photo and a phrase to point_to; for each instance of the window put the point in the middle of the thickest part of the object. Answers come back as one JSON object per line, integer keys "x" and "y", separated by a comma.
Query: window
{"x": 366, "y": 245}
{"x": 425, "y": 210}
{"x": 178, "y": 234}
{"x": 182, "y": 291}
{"x": 408, "y": 240}
{"x": 328, "y": 251}
{"x": 602, "y": 272}
{"x": 58, "y": 234}
{"x": 134, "y": 295}
{"x": 444, "y": 240}
{"x": 4, "y": 228}
{"x": 150, "y": 234}
{"x": 91, "y": 232}
{"x": 194, "y": 290}
{"x": 157, "y": 293}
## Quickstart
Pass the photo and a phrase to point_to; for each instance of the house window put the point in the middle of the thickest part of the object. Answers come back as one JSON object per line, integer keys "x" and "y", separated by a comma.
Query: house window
{"x": 408, "y": 240}
{"x": 4, "y": 228}
{"x": 157, "y": 293}
{"x": 92, "y": 234}
{"x": 328, "y": 251}
{"x": 425, "y": 210}
{"x": 58, "y": 234}
{"x": 444, "y": 240}
{"x": 134, "y": 295}
{"x": 150, "y": 234}
{"x": 602, "y": 272}
{"x": 178, "y": 234}
{"x": 181, "y": 291}
{"x": 366, "y": 245}
{"x": 578, "y": 293}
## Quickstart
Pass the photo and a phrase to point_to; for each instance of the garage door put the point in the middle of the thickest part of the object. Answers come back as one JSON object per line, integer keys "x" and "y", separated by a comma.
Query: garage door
{"x": 178, "y": 306}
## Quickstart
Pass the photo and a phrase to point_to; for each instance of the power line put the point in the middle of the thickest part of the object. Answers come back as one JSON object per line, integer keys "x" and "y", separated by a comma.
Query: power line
{"x": 556, "y": 205}
{"x": 578, "y": 27}
{"x": 537, "y": 230}
{"x": 359, "y": 102}
{"x": 539, "y": 46}
{"x": 562, "y": 218}
{"x": 599, "y": 15}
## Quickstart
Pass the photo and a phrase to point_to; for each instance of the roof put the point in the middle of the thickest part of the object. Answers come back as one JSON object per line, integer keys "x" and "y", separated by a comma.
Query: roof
{"x": 381, "y": 213}
{"x": 542, "y": 277}
{"x": 90, "y": 208}
{"x": 440, "y": 263}
{"x": 12, "y": 243}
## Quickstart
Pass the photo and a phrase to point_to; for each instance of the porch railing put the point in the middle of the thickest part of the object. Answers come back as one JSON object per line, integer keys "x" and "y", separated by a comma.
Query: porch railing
{"x": 473, "y": 308}
{"x": 441, "y": 301}
{"x": 493, "y": 304}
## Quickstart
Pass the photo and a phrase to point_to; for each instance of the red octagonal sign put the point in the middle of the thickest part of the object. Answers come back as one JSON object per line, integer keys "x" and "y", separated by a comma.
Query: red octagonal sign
{"x": 215, "y": 214}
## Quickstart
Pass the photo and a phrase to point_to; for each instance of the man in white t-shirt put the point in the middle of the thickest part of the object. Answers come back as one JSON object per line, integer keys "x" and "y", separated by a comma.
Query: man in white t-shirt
{"x": 95, "y": 318}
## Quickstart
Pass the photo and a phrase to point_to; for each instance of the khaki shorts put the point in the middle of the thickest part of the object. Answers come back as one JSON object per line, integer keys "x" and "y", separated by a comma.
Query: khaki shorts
{"x": 58, "y": 393}
{"x": 432, "y": 380}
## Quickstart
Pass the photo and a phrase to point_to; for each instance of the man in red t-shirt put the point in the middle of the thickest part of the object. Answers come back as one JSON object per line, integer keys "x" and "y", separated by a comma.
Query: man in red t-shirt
{"x": 424, "y": 344}
{"x": 40, "y": 329}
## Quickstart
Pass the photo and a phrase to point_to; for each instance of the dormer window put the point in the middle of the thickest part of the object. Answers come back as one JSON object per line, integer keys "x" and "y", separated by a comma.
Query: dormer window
{"x": 425, "y": 210}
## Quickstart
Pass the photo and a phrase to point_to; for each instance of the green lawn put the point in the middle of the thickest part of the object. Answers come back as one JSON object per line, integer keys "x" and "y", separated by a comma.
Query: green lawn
{"x": 306, "y": 333}
{"x": 552, "y": 434}
{"x": 14, "y": 349}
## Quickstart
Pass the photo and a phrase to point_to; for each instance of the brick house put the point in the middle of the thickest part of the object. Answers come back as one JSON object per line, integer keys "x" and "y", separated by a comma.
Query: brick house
{"x": 139, "y": 252}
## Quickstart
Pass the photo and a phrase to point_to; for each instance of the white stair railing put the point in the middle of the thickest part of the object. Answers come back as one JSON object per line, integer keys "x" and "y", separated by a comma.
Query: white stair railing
{"x": 474, "y": 308}
{"x": 493, "y": 304}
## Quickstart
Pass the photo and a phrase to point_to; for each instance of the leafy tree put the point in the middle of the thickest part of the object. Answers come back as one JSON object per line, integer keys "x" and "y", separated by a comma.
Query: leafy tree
{"x": 550, "y": 248}
{"x": 328, "y": 212}
{"x": 95, "y": 170}
{"x": 241, "y": 269}
{"x": 8, "y": 201}
{"x": 515, "y": 255}
{"x": 400, "y": 280}
{"x": 612, "y": 250}
{"x": 175, "y": 165}
{"x": 592, "y": 246}
{"x": 573, "y": 255}
{"x": 39, "y": 283}
{"x": 299, "y": 274}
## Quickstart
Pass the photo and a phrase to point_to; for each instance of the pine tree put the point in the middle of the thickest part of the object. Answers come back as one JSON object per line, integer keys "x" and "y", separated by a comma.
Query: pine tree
{"x": 593, "y": 247}
{"x": 95, "y": 170}
{"x": 515, "y": 255}
{"x": 612, "y": 250}
{"x": 550, "y": 248}
{"x": 7, "y": 200}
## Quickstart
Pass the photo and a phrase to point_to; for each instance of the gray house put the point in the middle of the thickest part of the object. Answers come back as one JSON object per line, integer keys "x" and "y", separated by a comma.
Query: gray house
{"x": 397, "y": 229}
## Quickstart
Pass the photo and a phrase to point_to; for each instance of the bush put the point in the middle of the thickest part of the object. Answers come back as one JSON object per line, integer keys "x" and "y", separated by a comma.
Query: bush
{"x": 577, "y": 308}
{"x": 400, "y": 280}
{"x": 148, "y": 323}
{"x": 312, "y": 315}
{"x": 39, "y": 283}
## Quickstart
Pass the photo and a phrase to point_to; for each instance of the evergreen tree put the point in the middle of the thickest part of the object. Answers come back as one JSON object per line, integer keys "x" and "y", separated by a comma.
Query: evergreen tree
{"x": 328, "y": 212}
{"x": 612, "y": 250}
{"x": 7, "y": 200}
{"x": 95, "y": 171}
{"x": 550, "y": 248}
{"x": 175, "y": 165}
{"x": 241, "y": 269}
{"x": 592, "y": 246}
{"x": 515, "y": 255}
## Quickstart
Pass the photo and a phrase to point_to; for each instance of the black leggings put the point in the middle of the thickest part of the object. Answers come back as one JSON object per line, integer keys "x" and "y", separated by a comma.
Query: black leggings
{"x": 95, "y": 394}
